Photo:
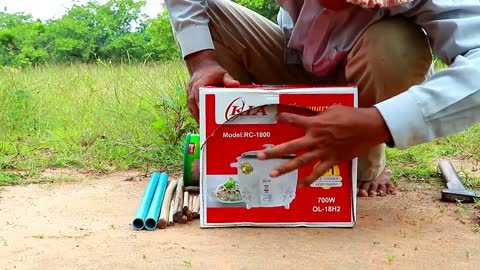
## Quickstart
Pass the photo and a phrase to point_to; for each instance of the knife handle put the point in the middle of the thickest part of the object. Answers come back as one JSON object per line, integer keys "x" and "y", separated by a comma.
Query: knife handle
{"x": 450, "y": 175}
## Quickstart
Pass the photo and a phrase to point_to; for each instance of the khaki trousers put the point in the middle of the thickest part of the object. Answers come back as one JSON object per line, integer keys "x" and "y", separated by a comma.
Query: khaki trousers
{"x": 391, "y": 56}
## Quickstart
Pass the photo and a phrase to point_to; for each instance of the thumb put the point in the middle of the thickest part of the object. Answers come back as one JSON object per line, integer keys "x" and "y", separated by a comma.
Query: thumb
{"x": 229, "y": 81}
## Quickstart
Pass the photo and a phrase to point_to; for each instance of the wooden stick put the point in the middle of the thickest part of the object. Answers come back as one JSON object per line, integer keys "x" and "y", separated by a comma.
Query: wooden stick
{"x": 195, "y": 202}
{"x": 178, "y": 215}
{"x": 172, "y": 212}
{"x": 189, "y": 212}
{"x": 184, "y": 219}
{"x": 163, "y": 222}
{"x": 196, "y": 206}
{"x": 190, "y": 201}
{"x": 185, "y": 201}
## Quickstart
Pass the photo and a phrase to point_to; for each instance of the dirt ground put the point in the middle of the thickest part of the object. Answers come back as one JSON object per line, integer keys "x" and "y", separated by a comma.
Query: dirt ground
{"x": 86, "y": 225}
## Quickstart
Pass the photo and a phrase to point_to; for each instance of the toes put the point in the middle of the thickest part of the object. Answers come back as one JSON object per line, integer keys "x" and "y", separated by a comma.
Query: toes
{"x": 390, "y": 188}
{"x": 362, "y": 193}
{"x": 381, "y": 186}
{"x": 382, "y": 190}
{"x": 363, "y": 189}
{"x": 372, "y": 191}
{"x": 364, "y": 185}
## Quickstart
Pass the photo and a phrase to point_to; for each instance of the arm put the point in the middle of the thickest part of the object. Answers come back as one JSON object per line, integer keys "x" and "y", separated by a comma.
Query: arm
{"x": 449, "y": 101}
{"x": 190, "y": 25}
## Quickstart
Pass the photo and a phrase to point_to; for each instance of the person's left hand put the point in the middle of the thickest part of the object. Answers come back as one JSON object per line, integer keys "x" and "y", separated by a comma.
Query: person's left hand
{"x": 337, "y": 134}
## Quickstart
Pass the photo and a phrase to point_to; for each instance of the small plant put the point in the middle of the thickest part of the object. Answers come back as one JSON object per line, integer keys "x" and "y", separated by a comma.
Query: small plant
{"x": 187, "y": 263}
{"x": 390, "y": 259}
{"x": 9, "y": 177}
{"x": 39, "y": 236}
{"x": 476, "y": 203}
{"x": 173, "y": 118}
{"x": 471, "y": 182}
{"x": 463, "y": 209}
{"x": 476, "y": 228}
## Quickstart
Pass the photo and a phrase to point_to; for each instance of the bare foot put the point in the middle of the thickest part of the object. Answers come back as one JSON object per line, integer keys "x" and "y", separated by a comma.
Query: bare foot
{"x": 381, "y": 186}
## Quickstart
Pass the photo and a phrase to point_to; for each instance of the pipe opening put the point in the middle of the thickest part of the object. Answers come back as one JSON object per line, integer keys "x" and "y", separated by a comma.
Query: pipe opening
{"x": 150, "y": 224}
{"x": 138, "y": 224}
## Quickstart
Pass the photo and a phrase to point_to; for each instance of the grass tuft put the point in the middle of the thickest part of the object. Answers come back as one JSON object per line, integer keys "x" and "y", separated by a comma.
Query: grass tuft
{"x": 99, "y": 117}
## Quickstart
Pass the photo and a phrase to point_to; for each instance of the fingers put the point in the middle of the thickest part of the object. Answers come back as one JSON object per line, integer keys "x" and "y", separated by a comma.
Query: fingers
{"x": 297, "y": 120}
{"x": 192, "y": 96}
{"x": 317, "y": 171}
{"x": 294, "y": 163}
{"x": 284, "y": 149}
{"x": 229, "y": 81}
{"x": 204, "y": 80}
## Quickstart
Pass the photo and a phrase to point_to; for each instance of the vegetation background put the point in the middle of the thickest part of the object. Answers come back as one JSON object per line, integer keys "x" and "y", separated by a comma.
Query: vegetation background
{"x": 116, "y": 32}
{"x": 102, "y": 89}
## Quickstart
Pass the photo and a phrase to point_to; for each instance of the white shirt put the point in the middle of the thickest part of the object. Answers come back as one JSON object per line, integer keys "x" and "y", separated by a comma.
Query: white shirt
{"x": 446, "y": 103}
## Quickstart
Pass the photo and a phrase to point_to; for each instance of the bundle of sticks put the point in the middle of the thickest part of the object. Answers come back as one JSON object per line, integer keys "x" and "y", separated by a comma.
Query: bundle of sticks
{"x": 181, "y": 204}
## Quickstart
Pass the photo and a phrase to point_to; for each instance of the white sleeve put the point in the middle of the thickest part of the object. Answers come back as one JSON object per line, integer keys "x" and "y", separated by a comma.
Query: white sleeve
{"x": 190, "y": 25}
{"x": 449, "y": 101}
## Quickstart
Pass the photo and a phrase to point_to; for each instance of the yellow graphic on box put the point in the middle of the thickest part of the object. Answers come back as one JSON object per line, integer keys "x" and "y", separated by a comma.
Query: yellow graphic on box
{"x": 246, "y": 168}
{"x": 333, "y": 171}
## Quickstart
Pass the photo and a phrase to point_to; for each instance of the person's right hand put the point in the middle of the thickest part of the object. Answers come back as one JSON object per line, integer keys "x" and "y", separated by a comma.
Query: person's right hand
{"x": 206, "y": 72}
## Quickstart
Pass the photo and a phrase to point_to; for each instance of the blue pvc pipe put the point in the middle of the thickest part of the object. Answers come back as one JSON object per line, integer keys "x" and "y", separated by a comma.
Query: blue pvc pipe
{"x": 156, "y": 205}
{"x": 142, "y": 209}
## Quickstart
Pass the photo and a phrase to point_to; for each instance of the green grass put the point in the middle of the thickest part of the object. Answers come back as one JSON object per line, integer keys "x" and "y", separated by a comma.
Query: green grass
{"x": 91, "y": 117}
{"x": 106, "y": 117}
{"x": 418, "y": 162}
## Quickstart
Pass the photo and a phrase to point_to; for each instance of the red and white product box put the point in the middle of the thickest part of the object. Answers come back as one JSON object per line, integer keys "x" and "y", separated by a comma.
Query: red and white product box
{"x": 236, "y": 188}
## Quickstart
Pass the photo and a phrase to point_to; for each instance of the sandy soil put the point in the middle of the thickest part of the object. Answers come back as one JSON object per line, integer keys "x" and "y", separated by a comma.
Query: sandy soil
{"x": 86, "y": 225}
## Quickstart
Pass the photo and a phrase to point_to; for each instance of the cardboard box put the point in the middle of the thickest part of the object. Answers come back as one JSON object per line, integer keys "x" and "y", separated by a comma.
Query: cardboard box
{"x": 235, "y": 185}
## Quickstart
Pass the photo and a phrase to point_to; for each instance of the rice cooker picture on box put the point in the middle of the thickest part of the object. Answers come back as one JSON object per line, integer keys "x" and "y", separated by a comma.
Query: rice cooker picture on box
{"x": 236, "y": 186}
{"x": 257, "y": 188}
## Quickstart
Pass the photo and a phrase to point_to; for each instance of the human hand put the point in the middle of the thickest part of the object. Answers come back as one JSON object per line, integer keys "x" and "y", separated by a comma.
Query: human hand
{"x": 337, "y": 134}
{"x": 206, "y": 72}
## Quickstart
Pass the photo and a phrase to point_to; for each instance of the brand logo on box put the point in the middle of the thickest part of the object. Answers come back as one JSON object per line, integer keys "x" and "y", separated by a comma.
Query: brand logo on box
{"x": 238, "y": 106}
{"x": 246, "y": 108}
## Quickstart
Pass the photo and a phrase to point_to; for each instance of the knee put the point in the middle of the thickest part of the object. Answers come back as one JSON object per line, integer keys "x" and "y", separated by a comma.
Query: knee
{"x": 390, "y": 57}
{"x": 397, "y": 43}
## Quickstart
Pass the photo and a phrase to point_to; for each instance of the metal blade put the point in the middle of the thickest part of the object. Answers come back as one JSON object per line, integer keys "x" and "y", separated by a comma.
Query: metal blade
{"x": 465, "y": 196}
